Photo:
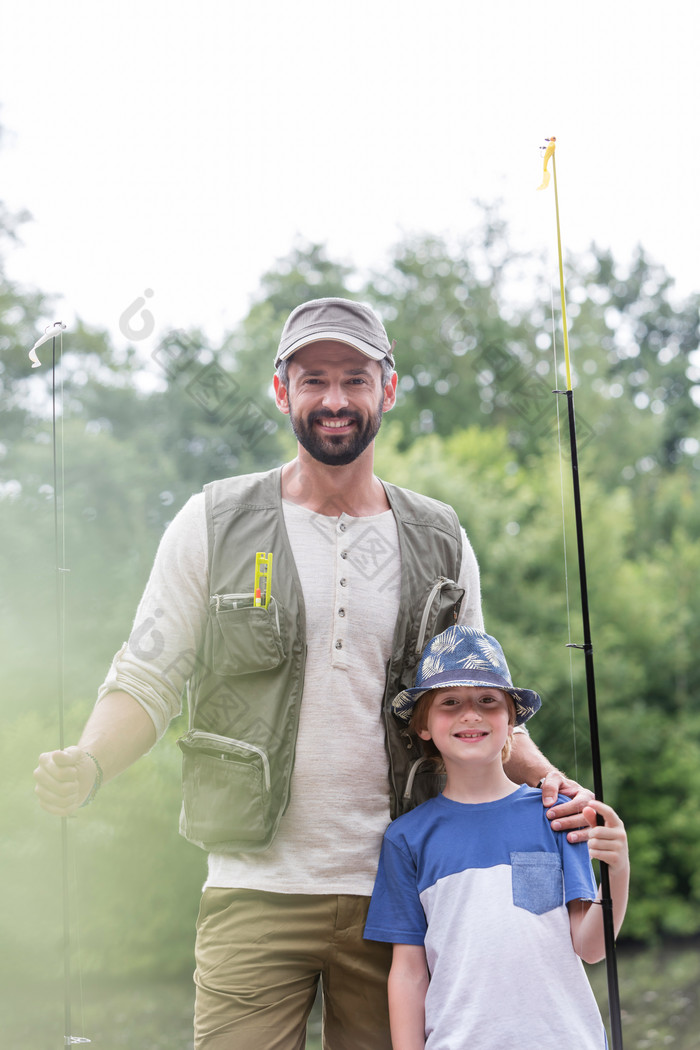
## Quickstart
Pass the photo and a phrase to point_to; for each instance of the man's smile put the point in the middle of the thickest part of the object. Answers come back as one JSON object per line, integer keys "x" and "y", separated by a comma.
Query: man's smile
{"x": 335, "y": 424}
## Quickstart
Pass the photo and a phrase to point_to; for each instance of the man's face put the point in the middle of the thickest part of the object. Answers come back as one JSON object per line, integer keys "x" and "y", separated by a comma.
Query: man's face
{"x": 335, "y": 401}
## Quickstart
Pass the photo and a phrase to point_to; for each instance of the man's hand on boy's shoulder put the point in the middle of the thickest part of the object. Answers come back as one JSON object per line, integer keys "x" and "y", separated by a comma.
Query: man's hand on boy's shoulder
{"x": 567, "y": 816}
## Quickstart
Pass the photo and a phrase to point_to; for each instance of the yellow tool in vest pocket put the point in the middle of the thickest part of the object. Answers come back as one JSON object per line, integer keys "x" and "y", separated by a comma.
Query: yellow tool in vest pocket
{"x": 263, "y": 579}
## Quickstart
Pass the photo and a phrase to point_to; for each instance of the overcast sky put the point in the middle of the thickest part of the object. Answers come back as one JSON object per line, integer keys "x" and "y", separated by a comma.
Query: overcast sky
{"x": 182, "y": 147}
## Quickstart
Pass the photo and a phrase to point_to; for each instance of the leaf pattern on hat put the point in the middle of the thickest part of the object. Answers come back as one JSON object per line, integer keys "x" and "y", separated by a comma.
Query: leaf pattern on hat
{"x": 483, "y": 655}
{"x": 446, "y": 642}
{"x": 432, "y": 664}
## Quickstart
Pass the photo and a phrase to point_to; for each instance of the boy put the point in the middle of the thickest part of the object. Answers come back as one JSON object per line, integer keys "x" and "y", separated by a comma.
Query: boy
{"x": 486, "y": 906}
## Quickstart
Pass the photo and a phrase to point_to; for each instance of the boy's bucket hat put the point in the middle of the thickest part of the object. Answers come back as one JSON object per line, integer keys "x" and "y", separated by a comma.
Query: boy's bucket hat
{"x": 341, "y": 320}
{"x": 464, "y": 656}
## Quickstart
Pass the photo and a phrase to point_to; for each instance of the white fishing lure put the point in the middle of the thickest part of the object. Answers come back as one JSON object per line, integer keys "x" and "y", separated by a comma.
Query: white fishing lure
{"x": 51, "y": 331}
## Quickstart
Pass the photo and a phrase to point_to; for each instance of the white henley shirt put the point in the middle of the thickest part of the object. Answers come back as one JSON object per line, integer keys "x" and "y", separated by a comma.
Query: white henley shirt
{"x": 330, "y": 836}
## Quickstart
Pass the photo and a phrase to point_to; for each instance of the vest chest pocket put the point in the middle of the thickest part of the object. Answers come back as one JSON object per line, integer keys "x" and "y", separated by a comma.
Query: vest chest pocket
{"x": 538, "y": 884}
{"x": 243, "y": 637}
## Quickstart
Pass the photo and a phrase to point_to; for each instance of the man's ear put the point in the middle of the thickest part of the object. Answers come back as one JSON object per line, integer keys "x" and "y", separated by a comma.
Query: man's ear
{"x": 390, "y": 393}
{"x": 281, "y": 398}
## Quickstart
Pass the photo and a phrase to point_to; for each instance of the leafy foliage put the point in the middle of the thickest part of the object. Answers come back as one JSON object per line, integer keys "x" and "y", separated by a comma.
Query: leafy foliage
{"x": 476, "y": 425}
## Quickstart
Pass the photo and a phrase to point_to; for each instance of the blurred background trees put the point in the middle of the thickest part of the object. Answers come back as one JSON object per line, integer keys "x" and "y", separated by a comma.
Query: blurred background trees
{"x": 476, "y": 425}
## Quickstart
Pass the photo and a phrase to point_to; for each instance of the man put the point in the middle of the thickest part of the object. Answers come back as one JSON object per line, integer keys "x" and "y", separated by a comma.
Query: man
{"x": 290, "y": 683}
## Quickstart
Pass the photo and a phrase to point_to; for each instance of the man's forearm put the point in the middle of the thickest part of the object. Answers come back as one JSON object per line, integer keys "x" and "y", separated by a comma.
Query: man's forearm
{"x": 117, "y": 733}
{"x": 527, "y": 764}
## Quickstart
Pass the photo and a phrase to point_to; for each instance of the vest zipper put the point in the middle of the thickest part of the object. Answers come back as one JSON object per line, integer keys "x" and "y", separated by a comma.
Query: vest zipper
{"x": 241, "y": 601}
{"x": 231, "y": 601}
{"x": 411, "y": 777}
{"x": 420, "y": 640}
{"x": 215, "y": 739}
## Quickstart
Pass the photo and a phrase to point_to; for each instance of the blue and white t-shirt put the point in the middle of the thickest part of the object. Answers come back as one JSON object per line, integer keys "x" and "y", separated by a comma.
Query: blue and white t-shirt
{"x": 484, "y": 887}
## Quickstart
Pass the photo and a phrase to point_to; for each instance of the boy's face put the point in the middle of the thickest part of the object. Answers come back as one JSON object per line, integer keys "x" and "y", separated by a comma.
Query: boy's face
{"x": 469, "y": 723}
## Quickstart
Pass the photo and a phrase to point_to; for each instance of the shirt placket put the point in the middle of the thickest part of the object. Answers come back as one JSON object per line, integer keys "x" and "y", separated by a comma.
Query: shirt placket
{"x": 343, "y": 591}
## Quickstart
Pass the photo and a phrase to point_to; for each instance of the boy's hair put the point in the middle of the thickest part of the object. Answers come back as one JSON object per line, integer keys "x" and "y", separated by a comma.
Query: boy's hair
{"x": 419, "y": 721}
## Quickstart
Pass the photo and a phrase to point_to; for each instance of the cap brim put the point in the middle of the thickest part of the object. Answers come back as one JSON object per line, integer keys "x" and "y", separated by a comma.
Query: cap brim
{"x": 336, "y": 337}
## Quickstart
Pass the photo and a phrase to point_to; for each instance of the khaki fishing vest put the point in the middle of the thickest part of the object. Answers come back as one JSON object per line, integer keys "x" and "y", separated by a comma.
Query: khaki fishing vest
{"x": 246, "y": 690}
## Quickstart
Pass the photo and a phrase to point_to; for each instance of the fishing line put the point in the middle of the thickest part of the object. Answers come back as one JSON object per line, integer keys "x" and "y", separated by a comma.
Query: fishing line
{"x": 564, "y": 538}
{"x": 59, "y": 527}
{"x": 59, "y": 520}
{"x": 59, "y": 568}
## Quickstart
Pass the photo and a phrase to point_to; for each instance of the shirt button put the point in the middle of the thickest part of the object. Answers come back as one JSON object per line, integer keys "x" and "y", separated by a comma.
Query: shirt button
{"x": 343, "y": 554}
{"x": 341, "y": 612}
{"x": 342, "y": 526}
{"x": 343, "y": 582}
{"x": 339, "y": 644}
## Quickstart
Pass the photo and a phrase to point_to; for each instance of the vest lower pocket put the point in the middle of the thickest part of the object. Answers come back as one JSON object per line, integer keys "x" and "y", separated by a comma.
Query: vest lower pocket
{"x": 537, "y": 881}
{"x": 225, "y": 792}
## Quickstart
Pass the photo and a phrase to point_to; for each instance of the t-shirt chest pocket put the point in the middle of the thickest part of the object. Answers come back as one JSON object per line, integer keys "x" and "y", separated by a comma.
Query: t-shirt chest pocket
{"x": 537, "y": 879}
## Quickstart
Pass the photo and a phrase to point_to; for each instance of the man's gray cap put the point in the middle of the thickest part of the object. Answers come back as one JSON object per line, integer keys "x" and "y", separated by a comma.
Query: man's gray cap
{"x": 342, "y": 320}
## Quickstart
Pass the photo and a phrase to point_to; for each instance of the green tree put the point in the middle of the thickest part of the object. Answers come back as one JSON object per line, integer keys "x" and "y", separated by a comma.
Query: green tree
{"x": 635, "y": 351}
{"x": 476, "y": 426}
{"x": 464, "y": 356}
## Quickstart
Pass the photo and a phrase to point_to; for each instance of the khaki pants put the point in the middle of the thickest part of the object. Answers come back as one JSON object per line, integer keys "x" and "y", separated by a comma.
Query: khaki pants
{"x": 259, "y": 960}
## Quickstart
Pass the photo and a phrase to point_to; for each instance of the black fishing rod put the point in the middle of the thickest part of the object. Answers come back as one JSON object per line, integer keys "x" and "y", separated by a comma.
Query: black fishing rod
{"x": 614, "y": 1008}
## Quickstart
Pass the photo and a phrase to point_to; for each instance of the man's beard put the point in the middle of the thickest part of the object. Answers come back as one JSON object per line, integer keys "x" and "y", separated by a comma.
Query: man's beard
{"x": 335, "y": 451}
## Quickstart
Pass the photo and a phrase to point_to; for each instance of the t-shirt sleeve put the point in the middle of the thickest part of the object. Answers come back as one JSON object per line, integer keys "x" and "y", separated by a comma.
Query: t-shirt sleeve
{"x": 395, "y": 911}
{"x": 161, "y": 652}
{"x": 579, "y": 880}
